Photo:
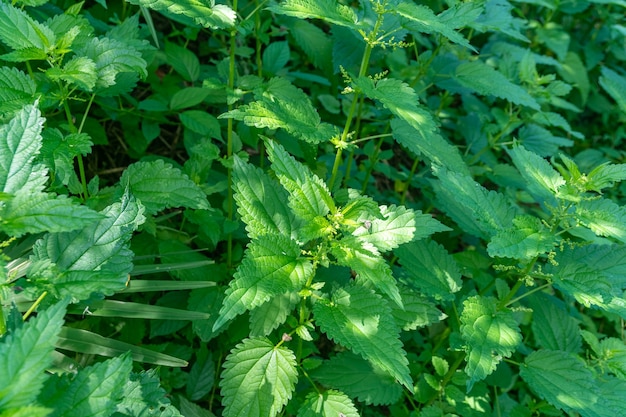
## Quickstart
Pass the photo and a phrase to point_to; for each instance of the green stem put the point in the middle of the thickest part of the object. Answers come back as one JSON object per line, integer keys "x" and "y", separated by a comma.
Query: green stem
{"x": 229, "y": 144}
{"x": 370, "y": 168}
{"x": 35, "y": 305}
{"x": 534, "y": 290}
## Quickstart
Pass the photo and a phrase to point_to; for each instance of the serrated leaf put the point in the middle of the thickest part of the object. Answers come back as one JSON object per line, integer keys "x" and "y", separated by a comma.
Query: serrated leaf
{"x": 416, "y": 311}
{"x": 526, "y": 239}
{"x": 603, "y": 217}
{"x": 561, "y": 379}
{"x": 25, "y": 354}
{"x": 20, "y": 142}
{"x": 40, "y": 212}
{"x": 184, "y": 62}
{"x": 361, "y": 320}
{"x": 428, "y": 142}
{"x": 487, "y": 81}
{"x": 79, "y": 70}
{"x": 540, "y": 140}
{"x": 315, "y": 43}
{"x": 258, "y": 379}
{"x": 260, "y": 202}
{"x": 478, "y": 211}
{"x": 284, "y": 106}
{"x": 327, "y": 10}
{"x": 204, "y": 13}
{"x": 275, "y": 56}
{"x": 201, "y": 376}
{"x": 430, "y": 268}
{"x": 358, "y": 378}
{"x": 489, "y": 333}
{"x": 159, "y": 185}
{"x": 19, "y": 31}
{"x": 611, "y": 394}
{"x": 272, "y": 265}
{"x": 497, "y": 17}
{"x": 611, "y": 353}
{"x": 143, "y": 396}
{"x": 397, "y": 226}
{"x": 272, "y": 314}
{"x": 17, "y": 89}
{"x": 96, "y": 258}
{"x": 327, "y": 404}
{"x": 369, "y": 266}
{"x": 553, "y": 327}
{"x": 541, "y": 178}
{"x": 93, "y": 391}
{"x": 615, "y": 85}
{"x": 605, "y": 175}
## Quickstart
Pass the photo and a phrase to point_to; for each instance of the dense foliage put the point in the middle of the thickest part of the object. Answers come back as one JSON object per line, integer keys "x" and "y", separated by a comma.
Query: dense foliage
{"x": 312, "y": 208}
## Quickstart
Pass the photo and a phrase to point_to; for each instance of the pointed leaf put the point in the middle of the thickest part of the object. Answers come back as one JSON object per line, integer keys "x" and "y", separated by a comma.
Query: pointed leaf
{"x": 526, "y": 239}
{"x": 603, "y": 217}
{"x": 615, "y": 85}
{"x": 203, "y": 13}
{"x": 17, "y": 89}
{"x": 416, "y": 311}
{"x": 258, "y": 379}
{"x": 361, "y": 320}
{"x": 25, "y": 354}
{"x": 79, "y": 70}
{"x": 144, "y": 396}
{"x": 490, "y": 334}
{"x": 605, "y": 175}
{"x": 541, "y": 178}
{"x": 272, "y": 314}
{"x": 19, "y": 31}
{"x": 327, "y": 10}
{"x": 159, "y": 185}
{"x": 485, "y": 80}
{"x": 430, "y": 268}
{"x": 94, "y": 259}
{"x": 271, "y": 266}
{"x": 553, "y": 327}
{"x": 561, "y": 379}
{"x": 326, "y": 404}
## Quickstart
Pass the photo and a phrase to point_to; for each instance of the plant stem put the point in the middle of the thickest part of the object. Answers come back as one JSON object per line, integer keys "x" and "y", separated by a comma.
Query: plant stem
{"x": 35, "y": 305}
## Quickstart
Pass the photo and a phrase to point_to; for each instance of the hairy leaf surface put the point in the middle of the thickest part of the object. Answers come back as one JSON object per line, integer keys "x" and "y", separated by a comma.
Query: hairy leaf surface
{"x": 603, "y": 217}
{"x": 204, "y": 13}
{"x": 327, "y": 10}
{"x": 258, "y": 379}
{"x": 20, "y": 31}
{"x": 362, "y": 321}
{"x": 552, "y": 326}
{"x": 144, "y": 396}
{"x": 272, "y": 314}
{"x": 17, "y": 89}
{"x": 526, "y": 239}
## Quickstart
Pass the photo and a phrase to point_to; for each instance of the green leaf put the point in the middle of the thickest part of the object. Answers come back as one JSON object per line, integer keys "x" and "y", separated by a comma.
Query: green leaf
{"x": 79, "y": 70}
{"x": 489, "y": 333}
{"x": 272, "y": 265}
{"x": 19, "y": 31}
{"x": 605, "y": 175}
{"x": 327, "y": 10}
{"x": 129, "y": 309}
{"x": 284, "y": 106}
{"x": 610, "y": 398}
{"x": 201, "y": 122}
{"x": 416, "y": 311}
{"x": 159, "y": 185}
{"x": 615, "y": 85}
{"x": 20, "y": 142}
{"x": 204, "y": 13}
{"x": 526, "y": 239}
{"x": 184, "y": 62}
{"x": 327, "y": 404}
{"x": 553, "y": 327}
{"x": 25, "y": 354}
{"x": 561, "y": 379}
{"x": 260, "y": 202}
{"x": 272, "y": 314}
{"x": 541, "y": 178}
{"x": 603, "y": 217}
{"x": 427, "y": 141}
{"x": 17, "y": 89}
{"x": 201, "y": 376}
{"x": 188, "y": 97}
{"x": 258, "y": 379}
{"x": 315, "y": 43}
{"x": 487, "y": 81}
{"x": 143, "y": 396}
{"x": 611, "y": 355}
{"x": 497, "y": 17}
{"x": 358, "y": 378}
{"x": 361, "y": 320}
{"x": 96, "y": 258}
{"x": 93, "y": 391}
{"x": 430, "y": 268}
{"x": 275, "y": 57}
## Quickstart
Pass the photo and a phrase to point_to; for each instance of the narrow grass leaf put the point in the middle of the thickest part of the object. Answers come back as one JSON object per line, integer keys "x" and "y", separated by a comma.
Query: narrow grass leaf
{"x": 128, "y": 309}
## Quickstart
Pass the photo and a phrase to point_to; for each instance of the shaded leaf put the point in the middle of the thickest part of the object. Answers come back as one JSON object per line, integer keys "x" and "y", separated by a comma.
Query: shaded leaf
{"x": 327, "y": 10}
{"x": 204, "y": 13}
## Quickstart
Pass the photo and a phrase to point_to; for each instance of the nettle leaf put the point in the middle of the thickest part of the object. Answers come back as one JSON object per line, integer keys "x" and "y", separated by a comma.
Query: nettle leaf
{"x": 272, "y": 266}
{"x": 541, "y": 178}
{"x": 560, "y": 378}
{"x": 358, "y": 378}
{"x": 611, "y": 353}
{"x": 526, "y": 239}
{"x": 422, "y": 19}
{"x": 612, "y": 392}
{"x": 605, "y": 175}
{"x": 416, "y": 311}
{"x": 315, "y": 43}
{"x": 487, "y": 81}
{"x": 79, "y": 70}
{"x": 615, "y": 85}
{"x": 204, "y": 13}
{"x": 328, "y": 403}
{"x": 144, "y": 396}
{"x": 361, "y": 320}
{"x": 489, "y": 333}
{"x": 96, "y": 258}
{"x": 430, "y": 268}
{"x": 17, "y": 89}
{"x": 369, "y": 266}
{"x": 397, "y": 226}
{"x": 603, "y": 217}
{"x": 25, "y": 354}
{"x": 93, "y": 391}
{"x": 430, "y": 144}
{"x": 260, "y": 202}
{"x": 20, "y": 142}
{"x": 497, "y": 17}
{"x": 553, "y": 326}
{"x": 159, "y": 185}
{"x": 327, "y": 10}
{"x": 478, "y": 211}
{"x": 19, "y": 31}
{"x": 258, "y": 379}
{"x": 272, "y": 314}
{"x": 284, "y": 106}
